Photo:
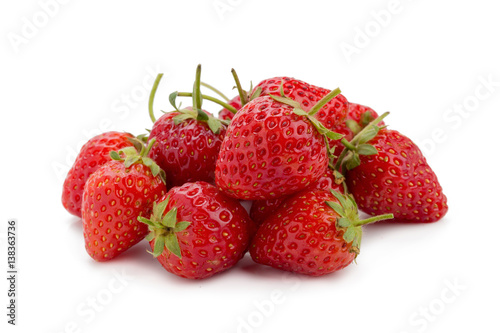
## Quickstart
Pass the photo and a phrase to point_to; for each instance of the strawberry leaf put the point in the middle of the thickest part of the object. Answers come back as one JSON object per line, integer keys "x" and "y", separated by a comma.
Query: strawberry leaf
{"x": 115, "y": 156}
{"x": 130, "y": 160}
{"x": 336, "y": 207}
{"x": 150, "y": 236}
{"x": 214, "y": 124}
{"x": 366, "y": 149}
{"x": 173, "y": 245}
{"x": 287, "y": 101}
{"x": 159, "y": 246}
{"x": 159, "y": 209}
{"x": 170, "y": 219}
{"x": 181, "y": 226}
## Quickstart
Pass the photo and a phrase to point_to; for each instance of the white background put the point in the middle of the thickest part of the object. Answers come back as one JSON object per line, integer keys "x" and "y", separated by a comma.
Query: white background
{"x": 71, "y": 76}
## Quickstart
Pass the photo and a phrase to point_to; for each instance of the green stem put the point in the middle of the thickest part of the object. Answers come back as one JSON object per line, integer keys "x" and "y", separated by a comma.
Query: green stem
{"x": 351, "y": 146}
{"x": 152, "y": 96}
{"x": 197, "y": 100}
{"x": 323, "y": 101}
{"x": 145, "y": 152}
{"x": 212, "y": 99}
{"x": 218, "y": 92}
{"x": 243, "y": 94}
{"x": 373, "y": 219}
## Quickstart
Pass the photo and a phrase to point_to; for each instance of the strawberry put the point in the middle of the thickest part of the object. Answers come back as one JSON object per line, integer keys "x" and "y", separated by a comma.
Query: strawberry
{"x": 314, "y": 232}
{"x": 197, "y": 231}
{"x": 272, "y": 148}
{"x": 187, "y": 141}
{"x": 93, "y": 154}
{"x": 397, "y": 179}
{"x": 307, "y": 95}
{"x": 261, "y": 209}
{"x": 114, "y": 196}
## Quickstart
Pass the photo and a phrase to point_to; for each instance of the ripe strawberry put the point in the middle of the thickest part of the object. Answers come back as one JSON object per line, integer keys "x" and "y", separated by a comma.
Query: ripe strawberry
{"x": 307, "y": 95}
{"x": 187, "y": 142}
{"x": 185, "y": 150}
{"x": 93, "y": 154}
{"x": 397, "y": 179}
{"x": 272, "y": 149}
{"x": 212, "y": 234}
{"x": 114, "y": 196}
{"x": 261, "y": 209}
{"x": 314, "y": 232}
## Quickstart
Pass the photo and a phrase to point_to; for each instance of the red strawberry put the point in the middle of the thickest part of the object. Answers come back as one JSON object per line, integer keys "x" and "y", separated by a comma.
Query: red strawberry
{"x": 397, "y": 179}
{"x": 261, "y": 209}
{"x": 212, "y": 234}
{"x": 271, "y": 149}
{"x": 314, "y": 232}
{"x": 93, "y": 154}
{"x": 186, "y": 150}
{"x": 307, "y": 95}
{"x": 187, "y": 141}
{"x": 114, "y": 196}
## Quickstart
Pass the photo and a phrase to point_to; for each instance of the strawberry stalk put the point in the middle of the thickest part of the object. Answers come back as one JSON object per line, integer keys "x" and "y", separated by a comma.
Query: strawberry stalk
{"x": 358, "y": 145}
{"x": 215, "y": 90}
{"x": 241, "y": 92}
{"x": 152, "y": 96}
{"x": 208, "y": 98}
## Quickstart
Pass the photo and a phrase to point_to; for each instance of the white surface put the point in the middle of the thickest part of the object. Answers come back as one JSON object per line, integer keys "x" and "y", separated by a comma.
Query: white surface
{"x": 72, "y": 78}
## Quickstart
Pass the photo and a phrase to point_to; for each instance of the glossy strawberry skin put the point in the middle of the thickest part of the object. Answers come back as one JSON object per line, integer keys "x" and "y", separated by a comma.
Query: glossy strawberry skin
{"x": 261, "y": 209}
{"x": 301, "y": 236}
{"x": 331, "y": 115}
{"x": 187, "y": 152}
{"x": 113, "y": 198}
{"x": 93, "y": 154}
{"x": 397, "y": 180}
{"x": 225, "y": 114}
{"x": 269, "y": 152}
{"x": 219, "y": 234}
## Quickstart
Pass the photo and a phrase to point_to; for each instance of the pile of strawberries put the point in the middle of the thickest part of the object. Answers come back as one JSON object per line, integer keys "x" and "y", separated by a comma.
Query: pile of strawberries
{"x": 304, "y": 156}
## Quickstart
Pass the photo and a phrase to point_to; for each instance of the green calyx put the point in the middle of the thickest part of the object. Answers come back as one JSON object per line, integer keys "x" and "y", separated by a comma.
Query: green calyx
{"x": 349, "y": 221}
{"x": 164, "y": 228}
{"x": 349, "y": 158}
{"x": 138, "y": 154}
{"x": 297, "y": 109}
